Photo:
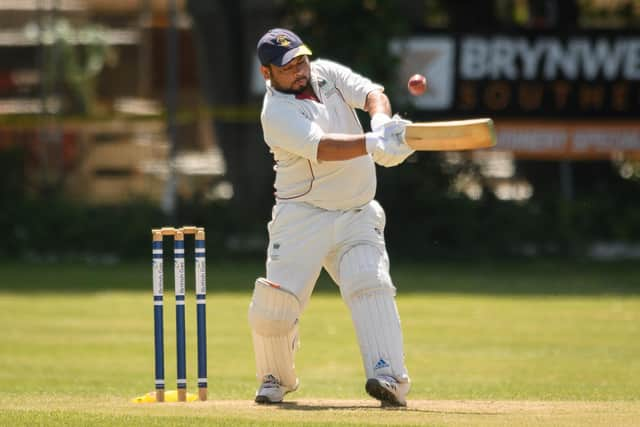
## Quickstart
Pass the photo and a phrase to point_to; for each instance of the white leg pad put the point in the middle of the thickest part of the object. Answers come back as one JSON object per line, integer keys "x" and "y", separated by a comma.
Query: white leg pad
{"x": 273, "y": 317}
{"x": 367, "y": 289}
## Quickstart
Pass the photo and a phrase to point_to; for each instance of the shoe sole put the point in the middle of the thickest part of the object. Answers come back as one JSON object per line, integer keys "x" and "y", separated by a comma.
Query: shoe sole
{"x": 377, "y": 391}
{"x": 264, "y": 400}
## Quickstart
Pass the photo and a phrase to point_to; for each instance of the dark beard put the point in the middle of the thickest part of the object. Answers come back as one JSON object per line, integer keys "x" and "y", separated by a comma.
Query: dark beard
{"x": 295, "y": 92}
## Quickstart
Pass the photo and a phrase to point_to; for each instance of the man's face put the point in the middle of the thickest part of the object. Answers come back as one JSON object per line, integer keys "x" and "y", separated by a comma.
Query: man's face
{"x": 292, "y": 77}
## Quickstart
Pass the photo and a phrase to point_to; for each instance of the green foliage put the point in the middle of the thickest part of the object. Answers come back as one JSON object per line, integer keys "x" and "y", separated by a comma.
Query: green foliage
{"x": 73, "y": 57}
{"x": 57, "y": 228}
{"x": 421, "y": 222}
{"x": 424, "y": 217}
{"x": 12, "y": 161}
{"x": 54, "y": 228}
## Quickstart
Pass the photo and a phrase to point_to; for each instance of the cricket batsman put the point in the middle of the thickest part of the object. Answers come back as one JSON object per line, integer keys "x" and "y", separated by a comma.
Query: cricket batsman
{"x": 325, "y": 215}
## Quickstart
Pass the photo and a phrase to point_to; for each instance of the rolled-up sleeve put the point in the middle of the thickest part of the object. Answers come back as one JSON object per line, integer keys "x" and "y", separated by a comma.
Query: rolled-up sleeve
{"x": 353, "y": 86}
{"x": 287, "y": 128}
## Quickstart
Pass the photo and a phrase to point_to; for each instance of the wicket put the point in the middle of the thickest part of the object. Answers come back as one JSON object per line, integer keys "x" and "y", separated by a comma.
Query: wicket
{"x": 178, "y": 235}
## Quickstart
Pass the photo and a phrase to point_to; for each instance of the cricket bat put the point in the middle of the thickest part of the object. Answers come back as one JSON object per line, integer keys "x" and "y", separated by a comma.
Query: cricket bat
{"x": 451, "y": 135}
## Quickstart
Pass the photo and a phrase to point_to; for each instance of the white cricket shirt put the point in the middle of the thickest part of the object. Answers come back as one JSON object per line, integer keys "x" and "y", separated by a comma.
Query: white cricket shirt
{"x": 293, "y": 127}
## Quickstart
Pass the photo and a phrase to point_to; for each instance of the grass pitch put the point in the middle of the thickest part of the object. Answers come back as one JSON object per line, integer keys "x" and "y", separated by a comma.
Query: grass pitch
{"x": 518, "y": 344}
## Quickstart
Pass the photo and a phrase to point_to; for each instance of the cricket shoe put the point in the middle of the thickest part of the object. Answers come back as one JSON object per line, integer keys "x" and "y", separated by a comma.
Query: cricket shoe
{"x": 388, "y": 390}
{"x": 271, "y": 391}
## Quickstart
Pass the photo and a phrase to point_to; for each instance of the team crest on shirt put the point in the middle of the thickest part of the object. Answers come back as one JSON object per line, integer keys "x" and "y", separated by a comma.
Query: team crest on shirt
{"x": 275, "y": 252}
{"x": 327, "y": 88}
{"x": 283, "y": 40}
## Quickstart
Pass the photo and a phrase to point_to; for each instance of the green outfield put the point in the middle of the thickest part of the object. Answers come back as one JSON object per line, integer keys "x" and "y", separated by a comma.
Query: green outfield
{"x": 487, "y": 343}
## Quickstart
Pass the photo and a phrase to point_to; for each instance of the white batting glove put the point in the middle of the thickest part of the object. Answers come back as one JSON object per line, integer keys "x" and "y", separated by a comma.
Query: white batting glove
{"x": 378, "y": 121}
{"x": 389, "y": 151}
{"x": 395, "y": 152}
{"x": 397, "y": 119}
{"x": 389, "y": 125}
{"x": 387, "y": 144}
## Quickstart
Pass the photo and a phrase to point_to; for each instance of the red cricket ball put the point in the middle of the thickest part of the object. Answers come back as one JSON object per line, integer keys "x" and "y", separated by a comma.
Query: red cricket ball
{"x": 417, "y": 85}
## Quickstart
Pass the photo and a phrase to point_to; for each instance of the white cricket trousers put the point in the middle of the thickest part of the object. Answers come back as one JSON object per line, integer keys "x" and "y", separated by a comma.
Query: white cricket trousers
{"x": 304, "y": 238}
{"x": 350, "y": 246}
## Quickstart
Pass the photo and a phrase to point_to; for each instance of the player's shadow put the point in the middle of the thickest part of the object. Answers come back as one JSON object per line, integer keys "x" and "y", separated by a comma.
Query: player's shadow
{"x": 293, "y": 405}
{"x": 306, "y": 406}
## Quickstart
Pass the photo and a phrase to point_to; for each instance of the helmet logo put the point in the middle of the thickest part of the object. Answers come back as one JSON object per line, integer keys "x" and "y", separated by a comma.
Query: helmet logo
{"x": 283, "y": 41}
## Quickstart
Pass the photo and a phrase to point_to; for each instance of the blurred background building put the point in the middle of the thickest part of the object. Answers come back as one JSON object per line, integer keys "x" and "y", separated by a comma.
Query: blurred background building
{"x": 137, "y": 113}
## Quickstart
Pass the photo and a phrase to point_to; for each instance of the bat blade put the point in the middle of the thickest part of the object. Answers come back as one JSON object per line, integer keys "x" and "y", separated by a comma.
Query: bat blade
{"x": 451, "y": 135}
